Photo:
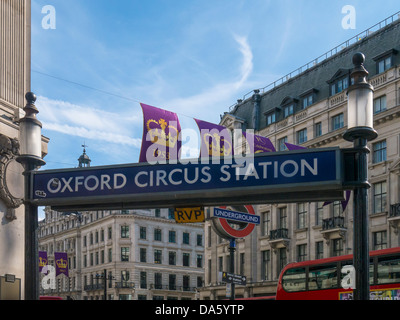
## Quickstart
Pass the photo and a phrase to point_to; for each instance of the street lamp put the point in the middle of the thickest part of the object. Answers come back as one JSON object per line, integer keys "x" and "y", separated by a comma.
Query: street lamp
{"x": 359, "y": 131}
{"x": 31, "y": 158}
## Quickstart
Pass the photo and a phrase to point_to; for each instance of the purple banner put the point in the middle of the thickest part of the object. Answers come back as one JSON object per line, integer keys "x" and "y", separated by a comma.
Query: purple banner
{"x": 42, "y": 260}
{"x": 293, "y": 147}
{"x": 216, "y": 140}
{"x": 161, "y": 130}
{"x": 61, "y": 260}
{"x": 258, "y": 143}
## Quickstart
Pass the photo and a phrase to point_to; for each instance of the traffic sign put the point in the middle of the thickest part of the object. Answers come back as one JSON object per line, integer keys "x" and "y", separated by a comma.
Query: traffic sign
{"x": 236, "y": 216}
{"x": 234, "y": 278}
{"x": 225, "y": 230}
{"x": 189, "y": 215}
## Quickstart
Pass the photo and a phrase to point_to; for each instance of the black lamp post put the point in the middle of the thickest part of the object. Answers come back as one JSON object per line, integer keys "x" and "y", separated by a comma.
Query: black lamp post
{"x": 31, "y": 158}
{"x": 359, "y": 131}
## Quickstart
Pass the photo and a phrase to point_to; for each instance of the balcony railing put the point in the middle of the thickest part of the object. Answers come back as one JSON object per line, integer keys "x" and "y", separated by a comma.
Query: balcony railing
{"x": 333, "y": 223}
{"x": 124, "y": 285}
{"x": 91, "y": 287}
{"x": 279, "y": 234}
{"x": 395, "y": 210}
{"x": 171, "y": 287}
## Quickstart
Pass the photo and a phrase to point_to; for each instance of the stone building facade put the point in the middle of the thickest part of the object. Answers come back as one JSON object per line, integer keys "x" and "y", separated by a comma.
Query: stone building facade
{"x": 309, "y": 108}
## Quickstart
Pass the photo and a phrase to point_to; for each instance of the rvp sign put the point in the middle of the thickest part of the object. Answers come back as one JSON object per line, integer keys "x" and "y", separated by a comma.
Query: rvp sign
{"x": 189, "y": 215}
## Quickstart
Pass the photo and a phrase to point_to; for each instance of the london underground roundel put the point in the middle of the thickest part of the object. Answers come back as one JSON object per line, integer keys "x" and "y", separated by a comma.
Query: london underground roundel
{"x": 228, "y": 230}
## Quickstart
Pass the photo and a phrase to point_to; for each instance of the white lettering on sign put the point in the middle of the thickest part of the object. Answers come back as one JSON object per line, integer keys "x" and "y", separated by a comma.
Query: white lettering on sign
{"x": 90, "y": 183}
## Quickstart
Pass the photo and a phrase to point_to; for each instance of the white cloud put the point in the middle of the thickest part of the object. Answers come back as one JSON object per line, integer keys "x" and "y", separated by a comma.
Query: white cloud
{"x": 88, "y": 123}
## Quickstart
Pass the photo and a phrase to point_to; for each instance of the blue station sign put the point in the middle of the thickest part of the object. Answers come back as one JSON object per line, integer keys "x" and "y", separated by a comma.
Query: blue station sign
{"x": 291, "y": 176}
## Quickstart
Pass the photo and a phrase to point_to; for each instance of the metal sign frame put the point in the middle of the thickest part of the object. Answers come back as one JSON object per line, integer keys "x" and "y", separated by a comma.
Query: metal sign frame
{"x": 290, "y": 176}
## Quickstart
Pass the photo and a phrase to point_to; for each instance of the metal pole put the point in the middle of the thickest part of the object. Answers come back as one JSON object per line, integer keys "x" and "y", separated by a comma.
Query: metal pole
{"x": 361, "y": 241}
{"x": 31, "y": 240}
{"x": 232, "y": 248}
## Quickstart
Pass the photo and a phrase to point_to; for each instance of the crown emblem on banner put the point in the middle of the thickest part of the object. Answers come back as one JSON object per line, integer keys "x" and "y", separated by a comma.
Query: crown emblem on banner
{"x": 215, "y": 147}
{"x": 61, "y": 263}
{"x": 158, "y": 134}
{"x": 42, "y": 262}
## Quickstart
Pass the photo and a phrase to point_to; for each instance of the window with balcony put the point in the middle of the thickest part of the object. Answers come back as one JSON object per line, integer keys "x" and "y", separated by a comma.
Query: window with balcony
{"x": 301, "y": 215}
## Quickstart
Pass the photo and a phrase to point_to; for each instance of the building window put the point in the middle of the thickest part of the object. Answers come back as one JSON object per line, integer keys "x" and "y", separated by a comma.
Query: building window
{"x": 379, "y": 104}
{"x": 301, "y": 215}
{"x": 109, "y": 254}
{"x": 172, "y": 282}
{"x": 308, "y": 100}
{"x": 301, "y": 252}
{"x": 383, "y": 64}
{"x": 186, "y": 237}
{"x": 265, "y": 223}
{"x": 142, "y": 233}
{"x": 301, "y": 136}
{"x": 143, "y": 255}
{"x": 200, "y": 240}
{"x": 282, "y": 262}
{"x": 172, "y": 236}
{"x": 271, "y": 118}
{"x": 157, "y": 234}
{"x": 337, "y": 248}
{"x": 158, "y": 213}
{"x": 143, "y": 280}
{"x": 124, "y": 253}
{"x": 186, "y": 259}
{"x": 199, "y": 261}
{"x": 158, "y": 281}
{"x": 186, "y": 283}
{"x": 124, "y": 231}
{"x": 288, "y": 110}
{"x": 109, "y": 233}
{"x": 172, "y": 258}
{"x": 220, "y": 264}
{"x": 318, "y": 129}
{"x": 157, "y": 256}
{"x": 281, "y": 144}
{"x": 337, "y": 122}
{"x": 380, "y": 197}
{"x": 283, "y": 218}
{"x": 379, "y": 151}
{"x": 337, "y": 209}
{"x": 380, "y": 240}
{"x": 339, "y": 85}
{"x": 265, "y": 264}
{"x": 319, "y": 250}
{"x": 319, "y": 213}
{"x": 242, "y": 264}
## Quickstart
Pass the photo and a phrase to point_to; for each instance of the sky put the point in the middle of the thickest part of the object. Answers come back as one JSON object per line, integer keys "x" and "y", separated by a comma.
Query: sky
{"x": 196, "y": 58}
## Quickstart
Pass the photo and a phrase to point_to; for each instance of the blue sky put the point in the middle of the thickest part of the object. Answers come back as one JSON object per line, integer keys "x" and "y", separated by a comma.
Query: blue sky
{"x": 192, "y": 57}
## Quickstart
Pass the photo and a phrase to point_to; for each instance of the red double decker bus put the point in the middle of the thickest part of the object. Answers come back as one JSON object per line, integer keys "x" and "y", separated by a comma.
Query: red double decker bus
{"x": 321, "y": 279}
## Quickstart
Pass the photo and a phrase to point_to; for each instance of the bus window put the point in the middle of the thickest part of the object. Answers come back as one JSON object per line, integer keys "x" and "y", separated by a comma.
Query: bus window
{"x": 388, "y": 270}
{"x": 322, "y": 277}
{"x": 294, "y": 280}
{"x": 350, "y": 263}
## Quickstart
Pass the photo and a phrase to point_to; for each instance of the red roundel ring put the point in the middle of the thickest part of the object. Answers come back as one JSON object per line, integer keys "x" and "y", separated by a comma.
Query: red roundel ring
{"x": 238, "y": 233}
